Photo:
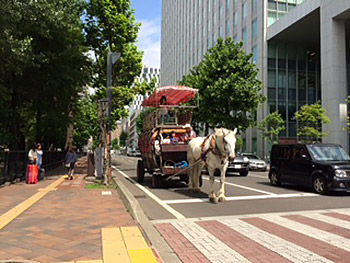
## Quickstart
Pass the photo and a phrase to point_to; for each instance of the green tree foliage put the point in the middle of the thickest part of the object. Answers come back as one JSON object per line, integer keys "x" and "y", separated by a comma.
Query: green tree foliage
{"x": 43, "y": 67}
{"x": 228, "y": 86}
{"x": 110, "y": 27}
{"x": 123, "y": 138}
{"x": 115, "y": 144}
{"x": 310, "y": 119}
{"x": 271, "y": 126}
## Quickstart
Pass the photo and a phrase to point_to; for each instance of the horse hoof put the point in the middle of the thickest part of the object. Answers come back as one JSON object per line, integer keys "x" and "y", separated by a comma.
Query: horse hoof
{"x": 196, "y": 190}
{"x": 213, "y": 200}
{"x": 190, "y": 190}
{"x": 222, "y": 199}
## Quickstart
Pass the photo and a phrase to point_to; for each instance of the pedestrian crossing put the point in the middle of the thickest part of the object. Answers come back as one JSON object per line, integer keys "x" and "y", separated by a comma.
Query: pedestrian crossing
{"x": 311, "y": 236}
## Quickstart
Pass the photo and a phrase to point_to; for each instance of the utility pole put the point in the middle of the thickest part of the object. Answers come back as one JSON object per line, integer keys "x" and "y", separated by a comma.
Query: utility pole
{"x": 112, "y": 57}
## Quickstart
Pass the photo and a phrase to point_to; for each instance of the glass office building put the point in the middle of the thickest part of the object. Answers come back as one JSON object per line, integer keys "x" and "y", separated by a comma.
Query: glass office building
{"x": 299, "y": 46}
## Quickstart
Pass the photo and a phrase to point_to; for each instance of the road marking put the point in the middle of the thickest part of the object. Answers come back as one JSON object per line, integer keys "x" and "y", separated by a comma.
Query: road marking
{"x": 171, "y": 210}
{"x": 241, "y": 186}
{"x": 239, "y": 198}
{"x": 10, "y": 215}
{"x": 233, "y": 217}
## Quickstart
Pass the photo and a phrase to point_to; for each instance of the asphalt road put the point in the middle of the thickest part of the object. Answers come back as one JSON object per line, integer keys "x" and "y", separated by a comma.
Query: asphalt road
{"x": 245, "y": 196}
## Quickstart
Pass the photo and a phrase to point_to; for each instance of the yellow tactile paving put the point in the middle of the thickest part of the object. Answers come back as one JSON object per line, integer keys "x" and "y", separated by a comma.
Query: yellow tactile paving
{"x": 125, "y": 244}
{"x": 10, "y": 215}
{"x": 113, "y": 246}
{"x": 138, "y": 249}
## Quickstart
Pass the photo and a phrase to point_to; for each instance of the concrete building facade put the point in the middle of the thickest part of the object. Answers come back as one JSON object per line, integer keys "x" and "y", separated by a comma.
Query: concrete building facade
{"x": 300, "y": 47}
{"x": 148, "y": 73}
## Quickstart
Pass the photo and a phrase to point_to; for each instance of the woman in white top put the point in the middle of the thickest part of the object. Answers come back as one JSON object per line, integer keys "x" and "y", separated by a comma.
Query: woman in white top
{"x": 32, "y": 155}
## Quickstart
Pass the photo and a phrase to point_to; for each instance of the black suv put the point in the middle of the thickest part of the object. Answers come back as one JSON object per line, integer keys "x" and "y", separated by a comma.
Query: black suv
{"x": 324, "y": 167}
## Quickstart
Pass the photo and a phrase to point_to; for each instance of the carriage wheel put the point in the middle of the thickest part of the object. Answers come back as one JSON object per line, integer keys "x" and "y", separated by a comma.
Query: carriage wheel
{"x": 157, "y": 181}
{"x": 184, "y": 178}
{"x": 140, "y": 171}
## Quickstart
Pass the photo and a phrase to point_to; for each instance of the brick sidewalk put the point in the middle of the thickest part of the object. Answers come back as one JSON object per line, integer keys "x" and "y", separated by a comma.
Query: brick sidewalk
{"x": 65, "y": 225}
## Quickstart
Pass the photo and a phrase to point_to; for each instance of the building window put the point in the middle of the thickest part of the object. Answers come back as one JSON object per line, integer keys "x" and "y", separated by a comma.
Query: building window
{"x": 254, "y": 28}
{"x": 220, "y": 32}
{"x": 214, "y": 20}
{"x": 244, "y": 10}
{"x": 228, "y": 6}
{"x": 254, "y": 5}
{"x": 235, "y": 38}
{"x": 227, "y": 33}
{"x": 221, "y": 13}
{"x": 235, "y": 19}
{"x": 244, "y": 35}
{"x": 214, "y": 39}
{"x": 272, "y": 17}
{"x": 255, "y": 54}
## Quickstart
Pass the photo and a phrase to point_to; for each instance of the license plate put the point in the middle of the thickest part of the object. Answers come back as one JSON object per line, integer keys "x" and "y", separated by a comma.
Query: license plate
{"x": 238, "y": 166}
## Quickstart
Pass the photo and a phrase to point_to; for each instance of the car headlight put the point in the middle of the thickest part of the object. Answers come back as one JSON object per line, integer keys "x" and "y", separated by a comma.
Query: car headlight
{"x": 252, "y": 163}
{"x": 340, "y": 173}
{"x": 245, "y": 159}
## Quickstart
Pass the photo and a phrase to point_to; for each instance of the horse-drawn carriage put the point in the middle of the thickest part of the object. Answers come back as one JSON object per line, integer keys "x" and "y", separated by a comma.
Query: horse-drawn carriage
{"x": 166, "y": 133}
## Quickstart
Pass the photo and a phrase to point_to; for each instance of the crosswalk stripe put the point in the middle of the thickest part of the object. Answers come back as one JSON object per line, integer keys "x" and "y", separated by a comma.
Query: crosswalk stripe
{"x": 322, "y": 248}
{"x": 330, "y": 228}
{"x": 238, "y": 242}
{"x": 337, "y": 241}
{"x": 341, "y": 216}
{"x": 329, "y": 220}
{"x": 207, "y": 244}
{"x": 285, "y": 248}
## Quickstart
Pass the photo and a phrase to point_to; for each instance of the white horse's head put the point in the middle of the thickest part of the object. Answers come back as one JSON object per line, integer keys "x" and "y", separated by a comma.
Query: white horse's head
{"x": 229, "y": 141}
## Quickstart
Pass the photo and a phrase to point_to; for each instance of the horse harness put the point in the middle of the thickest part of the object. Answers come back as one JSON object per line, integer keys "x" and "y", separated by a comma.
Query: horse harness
{"x": 213, "y": 147}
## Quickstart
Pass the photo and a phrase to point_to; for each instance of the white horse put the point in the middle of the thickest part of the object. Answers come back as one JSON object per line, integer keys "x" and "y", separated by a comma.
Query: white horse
{"x": 216, "y": 150}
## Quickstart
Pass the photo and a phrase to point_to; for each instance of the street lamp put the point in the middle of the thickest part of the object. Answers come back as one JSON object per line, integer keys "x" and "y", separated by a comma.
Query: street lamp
{"x": 111, "y": 59}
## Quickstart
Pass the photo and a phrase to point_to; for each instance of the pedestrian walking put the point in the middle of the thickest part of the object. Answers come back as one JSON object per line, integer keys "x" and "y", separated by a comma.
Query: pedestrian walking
{"x": 70, "y": 160}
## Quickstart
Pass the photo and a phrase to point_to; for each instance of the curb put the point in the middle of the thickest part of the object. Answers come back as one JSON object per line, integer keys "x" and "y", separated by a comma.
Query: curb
{"x": 166, "y": 253}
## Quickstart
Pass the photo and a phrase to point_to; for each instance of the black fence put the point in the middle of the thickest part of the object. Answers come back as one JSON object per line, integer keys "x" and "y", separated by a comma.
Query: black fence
{"x": 13, "y": 163}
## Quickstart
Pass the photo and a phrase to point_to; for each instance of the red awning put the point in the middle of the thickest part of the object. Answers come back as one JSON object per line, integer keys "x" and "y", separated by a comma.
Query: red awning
{"x": 174, "y": 96}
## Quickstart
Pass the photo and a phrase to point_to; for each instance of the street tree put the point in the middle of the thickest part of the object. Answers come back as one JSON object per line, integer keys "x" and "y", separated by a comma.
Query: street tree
{"x": 228, "y": 87}
{"x": 43, "y": 67}
{"x": 271, "y": 126}
{"x": 110, "y": 27}
{"x": 309, "y": 120}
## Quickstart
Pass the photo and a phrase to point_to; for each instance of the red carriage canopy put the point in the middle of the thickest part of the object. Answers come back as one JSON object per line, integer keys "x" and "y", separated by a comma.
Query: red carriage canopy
{"x": 174, "y": 96}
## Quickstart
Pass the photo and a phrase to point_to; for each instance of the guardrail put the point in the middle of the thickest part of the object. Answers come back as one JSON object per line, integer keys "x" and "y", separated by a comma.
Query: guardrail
{"x": 13, "y": 163}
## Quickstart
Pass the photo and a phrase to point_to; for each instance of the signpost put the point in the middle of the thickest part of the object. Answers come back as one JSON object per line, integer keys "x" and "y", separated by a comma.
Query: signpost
{"x": 112, "y": 58}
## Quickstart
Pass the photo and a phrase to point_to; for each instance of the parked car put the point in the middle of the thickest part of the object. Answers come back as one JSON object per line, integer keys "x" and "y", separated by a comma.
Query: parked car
{"x": 324, "y": 167}
{"x": 255, "y": 162}
{"x": 240, "y": 164}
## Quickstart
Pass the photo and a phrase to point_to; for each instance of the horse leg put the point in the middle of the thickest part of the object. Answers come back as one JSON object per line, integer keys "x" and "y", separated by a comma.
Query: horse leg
{"x": 212, "y": 196}
{"x": 197, "y": 172}
{"x": 191, "y": 177}
{"x": 221, "y": 194}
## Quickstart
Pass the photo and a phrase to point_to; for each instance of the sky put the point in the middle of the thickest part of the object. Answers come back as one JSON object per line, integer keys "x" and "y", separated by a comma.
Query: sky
{"x": 149, "y": 12}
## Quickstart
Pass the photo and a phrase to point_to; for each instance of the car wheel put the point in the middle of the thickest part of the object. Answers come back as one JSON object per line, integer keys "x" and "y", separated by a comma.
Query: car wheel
{"x": 275, "y": 179}
{"x": 157, "y": 181}
{"x": 140, "y": 171}
{"x": 320, "y": 184}
{"x": 245, "y": 173}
